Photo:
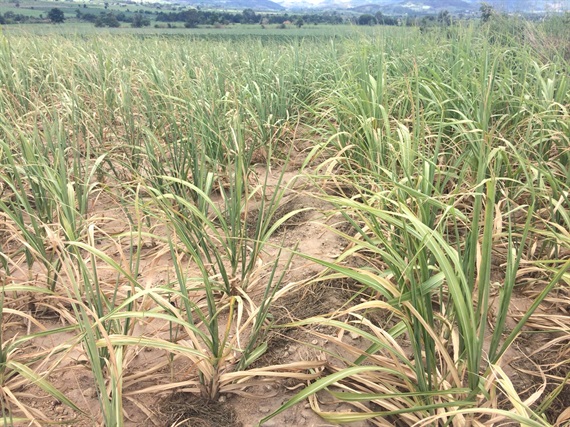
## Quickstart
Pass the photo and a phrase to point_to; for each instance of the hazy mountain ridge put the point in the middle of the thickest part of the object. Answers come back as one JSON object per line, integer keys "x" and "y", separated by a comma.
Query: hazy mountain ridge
{"x": 387, "y": 6}
{"x": 426, "y": 6}
{"x": 403, "y": 6}
{"x": 260, "y": 5}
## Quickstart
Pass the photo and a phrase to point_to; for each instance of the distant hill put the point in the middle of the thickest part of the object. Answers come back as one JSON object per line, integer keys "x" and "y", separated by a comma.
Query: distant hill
{"x": 426, "y": 6}
{"x": 395, "y": 7}
{"x": 258, "y": 5}
{"x": 429, "y": 6}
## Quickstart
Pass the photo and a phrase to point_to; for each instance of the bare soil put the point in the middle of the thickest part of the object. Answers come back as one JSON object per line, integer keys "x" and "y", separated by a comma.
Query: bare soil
{"x": 311, "y": 232}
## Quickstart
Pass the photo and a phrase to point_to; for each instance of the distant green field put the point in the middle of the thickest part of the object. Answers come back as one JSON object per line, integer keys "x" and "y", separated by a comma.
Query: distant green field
{"x": 35, "y": 12}
{"x": 39, "y": 9}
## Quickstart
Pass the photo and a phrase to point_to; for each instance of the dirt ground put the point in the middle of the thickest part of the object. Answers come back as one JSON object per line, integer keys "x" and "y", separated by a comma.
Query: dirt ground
{"x": 312, "y": 233}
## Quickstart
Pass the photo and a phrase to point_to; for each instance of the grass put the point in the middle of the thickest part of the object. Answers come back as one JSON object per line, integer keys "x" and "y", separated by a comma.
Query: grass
{"x": 144, "y": 186}
{"x": 237, "y": 31}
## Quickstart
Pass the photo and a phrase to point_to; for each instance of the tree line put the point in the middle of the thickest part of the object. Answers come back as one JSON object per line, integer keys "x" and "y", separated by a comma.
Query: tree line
{"x": 195, "y": 17}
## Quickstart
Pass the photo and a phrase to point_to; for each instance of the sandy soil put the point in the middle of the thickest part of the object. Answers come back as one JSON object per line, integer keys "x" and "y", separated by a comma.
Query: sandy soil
{"x": 311, "y": 232}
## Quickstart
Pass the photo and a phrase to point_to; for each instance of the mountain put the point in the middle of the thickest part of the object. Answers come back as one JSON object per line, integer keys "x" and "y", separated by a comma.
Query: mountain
{"x": 417, "y": 6}
{"x": 392, "y": 7}
{"x": 259, "y": 5}
{"x": 427, "y": 6}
